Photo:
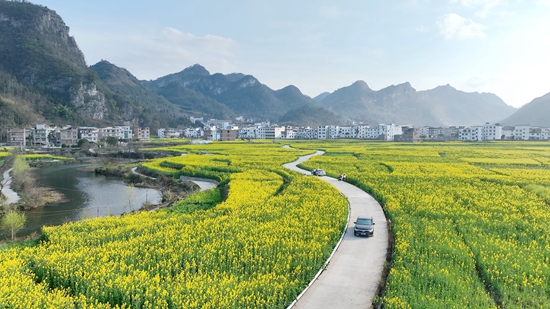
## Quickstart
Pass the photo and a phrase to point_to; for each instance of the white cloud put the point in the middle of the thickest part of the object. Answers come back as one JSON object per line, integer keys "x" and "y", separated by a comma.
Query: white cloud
{"x": 209, "y": 43}
{"x": 153, "y": 54}
{"x": 454, "y": 26}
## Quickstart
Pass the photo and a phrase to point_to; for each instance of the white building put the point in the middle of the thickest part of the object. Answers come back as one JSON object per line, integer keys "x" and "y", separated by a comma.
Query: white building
{"x": 221, "y": 124}
{"x": 491, "y": 132}
{"x": 195, "y": 119}
{"x": 41, "y": 134}
{"x": 115, "y": 132}
{"x": 271, "y": 132}
{"x": 212, "y": 133}
{"x": 384, "y": 132}
{"x": 290, "y": 132}
{"x": 247, "y": 133}
{"x": 471, "y": 134}
{"x": 89, "y": 133}
{"x": 346, "y": 132}
{"x": 306, "y": 133}
{"x": 193, "y": 132}
{"x": 125, "y": 132}
{"x": 161, "y": 133}
{"x": 521, "y": 133}
{"x": 487, "y": 132}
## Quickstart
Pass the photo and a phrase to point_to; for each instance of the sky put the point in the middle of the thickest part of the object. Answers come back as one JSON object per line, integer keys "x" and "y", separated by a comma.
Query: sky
{"x": 496, "y": 46}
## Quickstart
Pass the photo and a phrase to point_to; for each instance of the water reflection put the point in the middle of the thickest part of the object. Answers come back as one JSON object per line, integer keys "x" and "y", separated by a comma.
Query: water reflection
{"x": 86, "y": 195}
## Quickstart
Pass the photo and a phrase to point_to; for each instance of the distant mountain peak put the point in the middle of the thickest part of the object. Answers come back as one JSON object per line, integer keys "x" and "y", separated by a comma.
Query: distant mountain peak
{"x": 361, "y": 85}
{"x": 445, "y": 87}
{"x": 196, "y": 69}
{"x": 291, "y": 89}
{"x": 404, "y": 87}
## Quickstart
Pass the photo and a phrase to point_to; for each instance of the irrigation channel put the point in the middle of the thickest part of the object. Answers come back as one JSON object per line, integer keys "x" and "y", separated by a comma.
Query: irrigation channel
{"x": 86, "y": 195}
{"x": 354, "y": 271}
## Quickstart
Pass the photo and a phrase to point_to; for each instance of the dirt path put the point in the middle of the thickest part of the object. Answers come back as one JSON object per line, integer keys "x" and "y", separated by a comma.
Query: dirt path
{"x": 355, "y": 270}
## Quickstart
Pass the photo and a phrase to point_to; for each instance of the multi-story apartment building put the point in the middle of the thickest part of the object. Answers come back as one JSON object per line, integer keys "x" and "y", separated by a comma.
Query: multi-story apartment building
{"x": 18, "y": 137}
{"x": 270, "y": 132}
{"x": 211, "y": 133}
{"x": 126, "y": 132}
{"x": 68, "y": 136}
{"x": 89, "y": 133}
{"x": 410, "y": 134}
{"x": 193, "y": 132}
{"x": 491, "y": 132}
{"x": 346, "y": 132}
{"x": 142, "y": 133}
{"x": 41, "y": 135}
{"x": 306, "y": 133}
{"x": 106, "y": 132}
{"x": 228, "y": 135}
{"x": 161, "y": 133}
{"x": 247, "y": 132}
{"x": 487, "y": 132}
{"x": 322, "y": 132}
{"x": 385, "y": 132}
{"x": 222, "y": 124}
{"x": 290, "y": 132}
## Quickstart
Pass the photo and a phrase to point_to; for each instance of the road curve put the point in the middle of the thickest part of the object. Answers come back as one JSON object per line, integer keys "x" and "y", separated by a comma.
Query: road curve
{"x": 203, "y": 183}
{"x": 352, "y": 277}
{"x": 11, "y": 196}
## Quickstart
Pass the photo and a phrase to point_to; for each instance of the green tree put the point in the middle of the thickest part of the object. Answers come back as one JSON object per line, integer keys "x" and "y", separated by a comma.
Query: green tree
{"x": 20, "y": 165}
{"x": 84, "y": 144}
{"x": 111, "y": 141}
{"x": 13, "y": 221}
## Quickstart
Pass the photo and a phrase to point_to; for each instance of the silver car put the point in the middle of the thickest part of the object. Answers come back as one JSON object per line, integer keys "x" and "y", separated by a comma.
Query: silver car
{"x": 364, "y": 226}
{"x": 318, "y": 172}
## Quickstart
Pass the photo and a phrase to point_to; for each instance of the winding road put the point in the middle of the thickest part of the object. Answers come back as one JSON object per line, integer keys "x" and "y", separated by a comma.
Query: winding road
{"x": 11, "y": 196}
{"x": 355, "y": 270}
{"x": 203, "y": 183}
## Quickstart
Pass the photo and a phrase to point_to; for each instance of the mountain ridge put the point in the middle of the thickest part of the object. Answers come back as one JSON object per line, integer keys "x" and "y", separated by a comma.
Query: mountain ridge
{"x": 44, "y": 77}
{"x": 534, "y": 113}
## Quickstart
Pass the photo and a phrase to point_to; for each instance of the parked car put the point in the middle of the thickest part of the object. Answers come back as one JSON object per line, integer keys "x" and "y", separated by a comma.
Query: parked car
{"x": 318, "y": 172}
{"x": 364, "y": 226}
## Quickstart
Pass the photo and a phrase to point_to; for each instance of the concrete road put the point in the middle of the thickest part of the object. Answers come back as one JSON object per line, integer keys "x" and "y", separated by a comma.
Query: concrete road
{"x": 204, "y": 184}
{"x": 11, "y": 196}
{"x": 352, "y": 277}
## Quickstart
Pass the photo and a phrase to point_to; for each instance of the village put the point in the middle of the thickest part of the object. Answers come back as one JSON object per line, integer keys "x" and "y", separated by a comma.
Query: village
{"x": 226, "y": 130}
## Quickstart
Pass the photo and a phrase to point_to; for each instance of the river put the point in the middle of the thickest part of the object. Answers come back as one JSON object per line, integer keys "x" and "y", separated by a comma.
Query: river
{"x": 86, "y": 195}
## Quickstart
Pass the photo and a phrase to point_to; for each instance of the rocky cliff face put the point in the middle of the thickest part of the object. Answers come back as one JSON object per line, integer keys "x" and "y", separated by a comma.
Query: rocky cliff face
{"x": 38, "y": 51}
{"x": 90, "y": 101}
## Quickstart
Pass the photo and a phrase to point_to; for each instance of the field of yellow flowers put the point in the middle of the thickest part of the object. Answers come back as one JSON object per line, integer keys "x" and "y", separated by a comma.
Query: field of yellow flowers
{"x": 470, "y": 220}
{"x": 250, "y": 250}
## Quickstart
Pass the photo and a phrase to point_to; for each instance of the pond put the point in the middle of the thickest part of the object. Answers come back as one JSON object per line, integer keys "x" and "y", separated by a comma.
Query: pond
{"x": 86, "y": 194}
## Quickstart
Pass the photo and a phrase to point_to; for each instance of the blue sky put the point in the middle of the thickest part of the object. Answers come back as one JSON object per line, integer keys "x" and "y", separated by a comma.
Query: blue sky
{"x": 497, "y": 46}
